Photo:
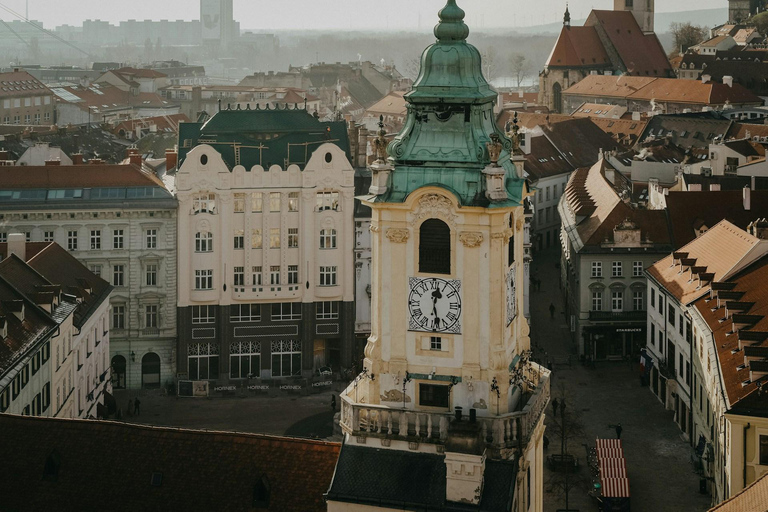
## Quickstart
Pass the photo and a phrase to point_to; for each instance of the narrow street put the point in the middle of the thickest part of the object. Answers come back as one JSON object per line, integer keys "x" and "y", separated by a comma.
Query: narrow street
{"x": 659, "y": 466}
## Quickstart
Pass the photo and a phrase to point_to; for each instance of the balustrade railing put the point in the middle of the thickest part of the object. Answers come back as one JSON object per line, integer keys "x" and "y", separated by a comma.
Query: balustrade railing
{"x": 509, "y": 430}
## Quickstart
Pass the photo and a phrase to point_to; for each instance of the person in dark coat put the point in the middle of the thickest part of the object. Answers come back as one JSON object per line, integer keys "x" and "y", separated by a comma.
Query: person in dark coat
{"x": 333, "y": 403}
{"x": 551, "y": 310}
{"x": 618, "y": 431}
{"x": 137, "y": 406}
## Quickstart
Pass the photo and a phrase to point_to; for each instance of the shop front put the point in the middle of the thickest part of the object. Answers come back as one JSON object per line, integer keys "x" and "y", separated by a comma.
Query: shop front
{"x": 613, "y": 343}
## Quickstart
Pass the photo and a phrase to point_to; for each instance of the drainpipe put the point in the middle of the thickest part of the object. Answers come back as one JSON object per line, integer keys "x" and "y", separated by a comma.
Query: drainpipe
{"x": 744, "y": 441}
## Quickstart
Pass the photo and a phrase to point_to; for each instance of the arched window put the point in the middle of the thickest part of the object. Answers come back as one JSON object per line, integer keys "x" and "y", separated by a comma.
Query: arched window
{"x": 150, "y": 370}
{"x": 435, "y": 247}
{"x": 557, "y": 97}
{"x": 204, "y": 242}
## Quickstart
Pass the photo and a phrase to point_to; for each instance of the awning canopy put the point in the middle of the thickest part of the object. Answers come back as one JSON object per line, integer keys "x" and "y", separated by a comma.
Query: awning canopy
{"x": 615, "y": 487}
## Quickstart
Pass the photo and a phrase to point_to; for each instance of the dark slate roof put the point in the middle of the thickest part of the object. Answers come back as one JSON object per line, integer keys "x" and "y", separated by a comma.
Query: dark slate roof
{"x": 687, "y": 130}
{"x": 412, "y": 481}
{"x": 265, "y": 137}
{"x": 545, "y": 160}
{"x": 580, "y": 141}
{"x": 61, "y": 268}
{"x": 687, "y": 211}
{"x": 37, "y": 325}
{"x": 195, "y": 470}
{"x": 726, "y": 182}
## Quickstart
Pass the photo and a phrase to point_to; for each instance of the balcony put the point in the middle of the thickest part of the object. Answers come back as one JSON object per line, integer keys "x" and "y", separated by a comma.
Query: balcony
{"x": 618, "y": 316}
{"x": 510, "y": 431}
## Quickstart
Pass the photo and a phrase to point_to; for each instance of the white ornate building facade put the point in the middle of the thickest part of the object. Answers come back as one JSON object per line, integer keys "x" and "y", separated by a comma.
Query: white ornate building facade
{"x": 266, "y": 246}
{"x": 119, "y": 221}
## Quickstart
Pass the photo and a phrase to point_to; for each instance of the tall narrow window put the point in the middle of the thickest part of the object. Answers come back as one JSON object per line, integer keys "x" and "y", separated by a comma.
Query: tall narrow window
{"x": 95, "y": 239}
{"x": 117, "y": 239}
{"x": 151, "y": 274}
{"x": 256, "y": 202}
{"x": 293, "y": 274}
{"x": 239, "y": 276}
{"x": 293, "y": 238}
{"x": 274, "y": 274}
{"x": 256, "y": 275}
{"x": 151, "y": 316}
{"x": 435, "y": 247}
{"x": 274, "y": 201}
{"x": 151, "y": 238}
{"x": 239, "y": 239}
{"x": 239, "y": 203}
{"x": 293, "y": 201}
{"x": 118, "y": 275}
{"x": 274, "y": 238}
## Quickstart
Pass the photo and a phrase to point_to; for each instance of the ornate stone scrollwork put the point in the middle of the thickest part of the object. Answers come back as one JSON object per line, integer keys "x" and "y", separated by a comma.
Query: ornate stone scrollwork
{"x": 519, "y": 225}
{"x": 373, "y": 229}
{"x": 435, "y": 205}
{"x": 471, "y": 238}
{"x": 498, "y": 236}
{"x": 398, "y": 236}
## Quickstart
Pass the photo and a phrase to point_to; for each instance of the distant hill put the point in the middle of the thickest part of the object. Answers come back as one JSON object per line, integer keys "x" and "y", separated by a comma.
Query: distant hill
{"x": 704, "y": 17}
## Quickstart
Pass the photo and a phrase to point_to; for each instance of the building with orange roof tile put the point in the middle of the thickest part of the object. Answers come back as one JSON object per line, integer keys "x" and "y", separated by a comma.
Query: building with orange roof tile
{"x": 606, "y": 245}
{"x": 617, "y": 42}
{"x": 692, "y": 332}
{"x": 658, "y": 95}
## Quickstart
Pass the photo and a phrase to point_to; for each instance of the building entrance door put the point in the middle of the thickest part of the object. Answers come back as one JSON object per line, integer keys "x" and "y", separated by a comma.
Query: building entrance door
{"x": 150, "y": 370}
{"x": 118, "y": 372}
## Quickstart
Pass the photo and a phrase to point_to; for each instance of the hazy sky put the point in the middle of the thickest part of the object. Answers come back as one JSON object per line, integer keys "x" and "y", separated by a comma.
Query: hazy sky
{"x": 329, "y": 14}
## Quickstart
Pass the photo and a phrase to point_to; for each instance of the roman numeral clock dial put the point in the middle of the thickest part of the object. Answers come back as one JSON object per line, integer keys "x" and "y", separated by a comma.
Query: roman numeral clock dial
{"x": 434, "y": 305}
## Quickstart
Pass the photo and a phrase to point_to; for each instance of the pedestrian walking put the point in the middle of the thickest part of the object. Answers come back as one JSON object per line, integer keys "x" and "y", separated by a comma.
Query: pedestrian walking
{"x": 130, "y": 407}
{"x": 551, "y": 310}
{"x": 137, "y": 406}
{"x": 333, "y": 403}
{"x": 555, "y": 405}
{"x": 618, "y": 431}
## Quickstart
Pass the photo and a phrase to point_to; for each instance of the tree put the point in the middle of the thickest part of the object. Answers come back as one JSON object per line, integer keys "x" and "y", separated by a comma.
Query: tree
{"x": 520, "y": 67}
{"x": 761, "y": 22}
{"x": 489, "y": 63}
{"x": 687, "y": 34}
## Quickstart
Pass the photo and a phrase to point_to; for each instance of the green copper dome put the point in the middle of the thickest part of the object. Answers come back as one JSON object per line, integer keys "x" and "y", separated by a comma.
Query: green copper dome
{"x": 450, "y": 122}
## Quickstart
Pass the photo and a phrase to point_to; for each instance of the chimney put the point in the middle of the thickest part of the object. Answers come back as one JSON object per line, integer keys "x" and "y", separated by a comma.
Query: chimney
{"x": 171, "y": 159}
{"x": 17, "y": 244}
{"x": 52, "y": 162}
{"x": 95, "y": 161}
{"x": 705, "y": 79}
{"x": 746, "y": 195}
{"x": 759, "y": 229}
{"x": 134, "y": 157}
{"x": 77, "y": 159}
{"x": 728, "y": 80}
{"x": 464, "y": 477}
{"x": 4, "y": 155}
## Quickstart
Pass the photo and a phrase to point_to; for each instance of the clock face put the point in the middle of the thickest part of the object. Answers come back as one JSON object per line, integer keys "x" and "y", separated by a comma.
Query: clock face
{"x": 511, "y": 298}
{"x": 434, "y": 305}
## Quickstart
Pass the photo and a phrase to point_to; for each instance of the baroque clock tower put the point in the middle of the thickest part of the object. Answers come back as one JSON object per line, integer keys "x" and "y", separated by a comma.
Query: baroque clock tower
{"x": 447, "y": 371}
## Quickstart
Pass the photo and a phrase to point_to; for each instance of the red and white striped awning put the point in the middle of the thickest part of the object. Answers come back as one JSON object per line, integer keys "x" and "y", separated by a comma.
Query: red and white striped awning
{"x": 609, "y": 449}
{"x": 612, "y": 463}
{"x": 615, "y": 487}
{"x": 613, "y": 471}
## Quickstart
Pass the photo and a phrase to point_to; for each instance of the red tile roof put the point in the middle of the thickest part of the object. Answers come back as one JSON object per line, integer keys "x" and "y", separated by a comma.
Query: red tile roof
{"x": 592, "y": 198}
{"x": 688, "y": 211}
{"x": 76, "y": 176}
{"x": 578, "y": 47}
{"x": 753, "y": 295}
{"x": 191, "y": 470}
{"x": 672, "y": 90}
{"x": 642, "y": 55}
{"x": 21, "y": 83}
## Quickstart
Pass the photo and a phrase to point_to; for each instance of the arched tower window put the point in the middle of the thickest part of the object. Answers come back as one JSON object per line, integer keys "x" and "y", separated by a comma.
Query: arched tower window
{"x": 435, "y": 247}
{"x": 557, "y": 97}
